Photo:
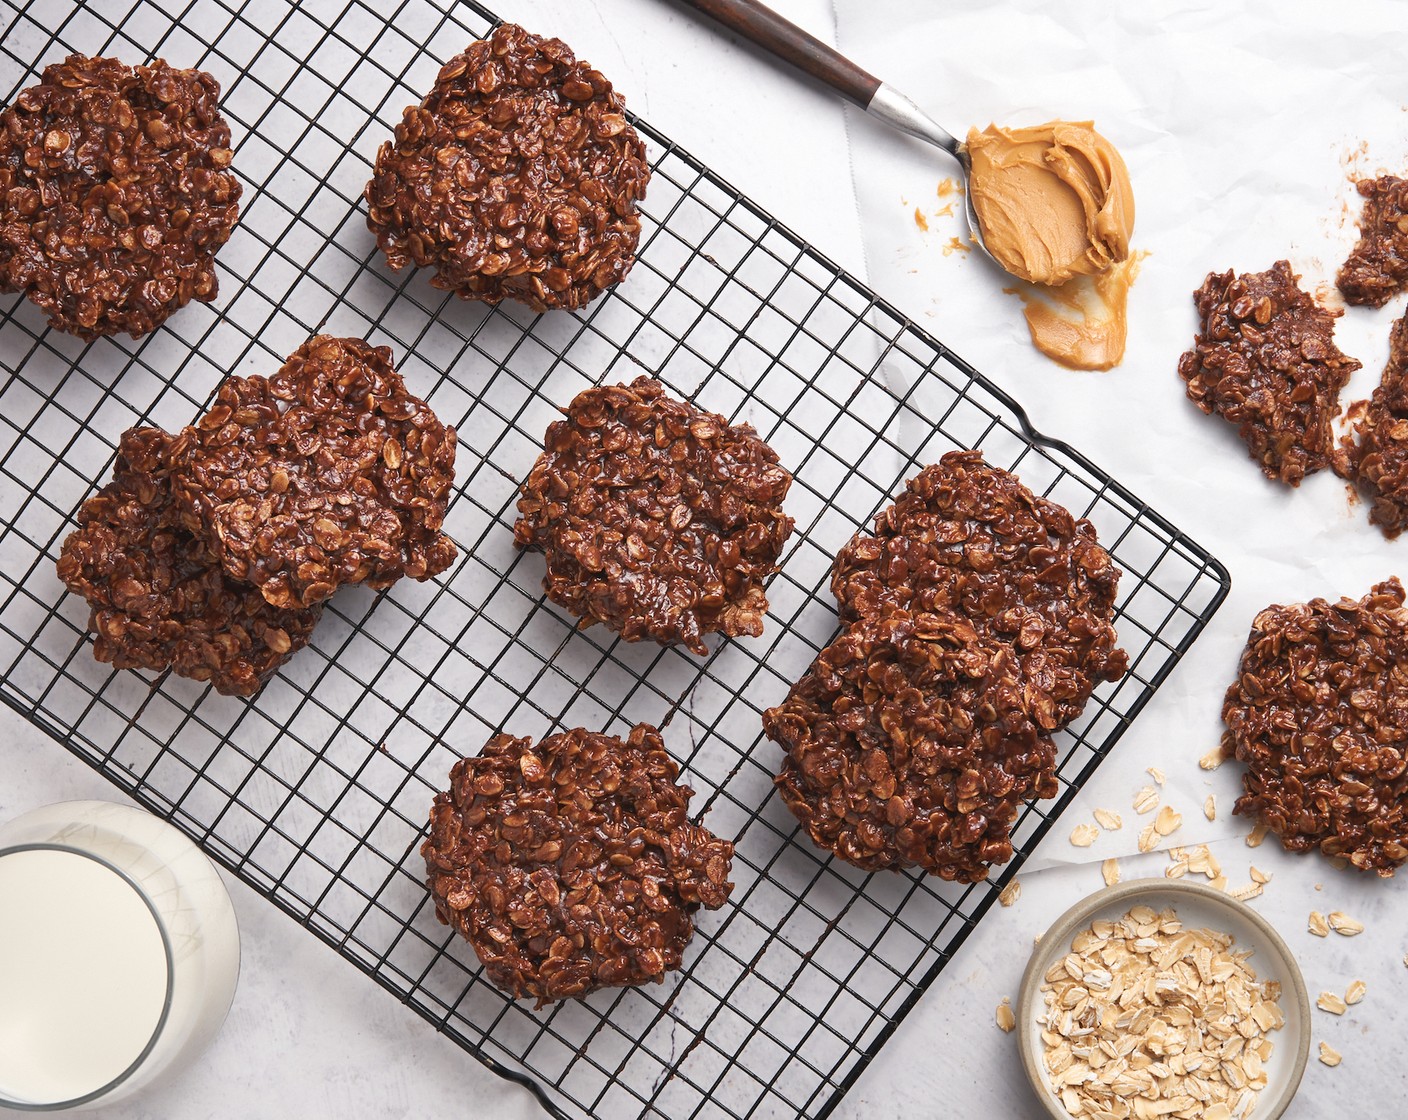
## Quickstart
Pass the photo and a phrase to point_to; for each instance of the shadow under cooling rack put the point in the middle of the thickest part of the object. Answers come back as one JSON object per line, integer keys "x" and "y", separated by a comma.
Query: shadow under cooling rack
{"x": 316, "y": 792}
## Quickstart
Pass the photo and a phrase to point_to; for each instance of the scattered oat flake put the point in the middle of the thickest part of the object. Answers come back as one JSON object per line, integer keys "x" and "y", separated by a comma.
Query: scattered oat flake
{"x": 1355, "y": 992}
{"x": 1329, "y": 1055}
{"x": 1110, "y": 869}
{"x": 1318, "y": 926}
{"x": 1148, "y": 839}
{"x": 1146, "y": 799}
{"x": 1330, "y": 1002}
{"x": 1167, "y": 821}
{"x": 1010, "y": 893}
{"x": 1342, "y": 923}
{"x": 1242, "y": 894}
{"x": 1157, "y": 774}
{"x": 1210, "y": 808}
{"x": 1005, "y": 1018}
{"x": 1258, "y": 875}
{"x": 920, "y": 220}
{"x": 1083, "y": 835}
{"x": 1212, "y": 760}
{"x": 1256, "y": 836}
{"x": 1108, "y": 820}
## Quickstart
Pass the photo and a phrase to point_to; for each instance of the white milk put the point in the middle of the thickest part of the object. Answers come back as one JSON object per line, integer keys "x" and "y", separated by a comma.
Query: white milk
{"x": 86, "y": 985}
{"x": 83, "y": 975}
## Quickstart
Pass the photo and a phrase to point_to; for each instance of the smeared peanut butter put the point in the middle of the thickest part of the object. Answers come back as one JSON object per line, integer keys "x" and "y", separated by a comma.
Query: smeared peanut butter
{"x": 1054, "y": 201}
{"x": 1082, "y": 324}
{"x": 1056, "y": 209}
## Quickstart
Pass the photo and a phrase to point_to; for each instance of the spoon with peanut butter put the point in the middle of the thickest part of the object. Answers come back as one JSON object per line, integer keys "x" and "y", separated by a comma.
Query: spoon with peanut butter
{"x": 1050, "y": 203}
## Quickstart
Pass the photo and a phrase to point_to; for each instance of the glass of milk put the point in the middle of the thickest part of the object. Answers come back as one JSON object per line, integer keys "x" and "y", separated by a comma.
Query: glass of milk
{"x": 118, "y": 954}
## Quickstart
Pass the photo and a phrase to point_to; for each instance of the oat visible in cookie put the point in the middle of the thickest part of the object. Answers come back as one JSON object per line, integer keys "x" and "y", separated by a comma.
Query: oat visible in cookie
{"x": 1266, "y": 361}
{"x": 1319, "y": 715}
{"x": 159, "y": 598}
{"x": 1377, "y": 267}
{"x": 517, "y": 176}
{"x": 970, "y": 538}
{"x": 909, "y": 745}
{"x": 328, "y": 473}
{"x": 115, "y": 193}
{"x": 572, "y": 865}
{"x": 658, "y": 520}
{"x": 1376, "y": 456}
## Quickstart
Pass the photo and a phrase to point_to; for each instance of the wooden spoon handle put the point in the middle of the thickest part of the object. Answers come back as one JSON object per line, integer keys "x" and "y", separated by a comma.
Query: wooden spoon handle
{"x": 789, "y": 42}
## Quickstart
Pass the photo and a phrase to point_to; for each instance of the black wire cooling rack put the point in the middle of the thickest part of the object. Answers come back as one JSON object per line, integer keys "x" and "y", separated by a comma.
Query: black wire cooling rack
{"x": 316, "y": 792}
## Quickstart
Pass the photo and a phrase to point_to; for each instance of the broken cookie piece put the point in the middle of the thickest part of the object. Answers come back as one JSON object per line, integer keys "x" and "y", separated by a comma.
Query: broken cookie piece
{"x": 1377, "y": 267}
{"x": 1376, "y": 455}
{"x": 1266, "y": 360}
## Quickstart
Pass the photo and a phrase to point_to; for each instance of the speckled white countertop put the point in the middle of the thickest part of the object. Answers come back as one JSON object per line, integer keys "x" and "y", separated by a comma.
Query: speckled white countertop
{"x": 1231, "y": 174}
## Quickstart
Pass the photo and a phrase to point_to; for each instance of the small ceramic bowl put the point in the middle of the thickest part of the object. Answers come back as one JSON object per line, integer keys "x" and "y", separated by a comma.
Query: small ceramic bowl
{"x": 1197, "y": 906}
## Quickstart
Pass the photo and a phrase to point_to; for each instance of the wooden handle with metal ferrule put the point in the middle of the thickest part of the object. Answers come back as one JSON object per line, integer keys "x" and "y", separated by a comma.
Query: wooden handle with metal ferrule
{"x": 789, "y": 42}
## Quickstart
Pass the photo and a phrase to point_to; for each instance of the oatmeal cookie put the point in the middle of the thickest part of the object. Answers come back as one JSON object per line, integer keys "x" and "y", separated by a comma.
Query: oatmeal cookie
{"x": 909, "y": 745}
{"x": 970, "y": 539}
{"x": 658, "y": 519}
{"x": 1377, "y": 267}
{"x": 572, "y": 865}
{"x": 1376, "y": 455}
{"x": 115, "y": 194}
{"x": 517, "y": 177}
{"x": 1319, "y": 715}
{"x": 328, "y": 473}
{"x": 159, "y": 598}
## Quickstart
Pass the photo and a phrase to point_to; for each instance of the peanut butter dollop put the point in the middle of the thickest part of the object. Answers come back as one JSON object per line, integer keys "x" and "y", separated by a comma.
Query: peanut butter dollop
{"x": 1056, "y": 209}
{"x": 1054, "y": 200}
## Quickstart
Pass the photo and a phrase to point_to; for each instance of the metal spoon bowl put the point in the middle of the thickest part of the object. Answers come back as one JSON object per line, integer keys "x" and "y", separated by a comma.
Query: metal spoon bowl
{"x": 785, "y": 40}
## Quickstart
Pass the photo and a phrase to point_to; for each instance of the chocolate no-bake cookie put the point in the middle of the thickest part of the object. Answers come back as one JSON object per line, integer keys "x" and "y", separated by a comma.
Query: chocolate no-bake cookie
{"x": 572, "y": 865}
{"x": 1319, "y": 715}
{"x": 1376, "y": 455}
{"x": 658, "y": 519}
{"x": 327, "y": 473}
{"x": 517, "y": 176}
{"x": 1266, "y": 360}
{"x": 115, "y": 193}
{"x": 1377, "y": 266}
{"x": 909, "y": 744}
{"x": 969, "y": 538}
{"x": 159, "y": 598}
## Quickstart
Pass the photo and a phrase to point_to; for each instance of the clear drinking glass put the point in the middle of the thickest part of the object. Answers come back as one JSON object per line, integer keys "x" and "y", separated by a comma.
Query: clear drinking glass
{"x": 119, "y": 954}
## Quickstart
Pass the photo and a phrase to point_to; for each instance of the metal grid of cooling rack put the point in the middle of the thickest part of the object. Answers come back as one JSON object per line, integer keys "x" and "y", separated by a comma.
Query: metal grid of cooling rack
{"x": 316, "y": 792}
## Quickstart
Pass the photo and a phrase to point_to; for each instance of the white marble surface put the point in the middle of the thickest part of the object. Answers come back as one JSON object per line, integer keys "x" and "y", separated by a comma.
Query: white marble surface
{"x": 310, "y": 1036}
